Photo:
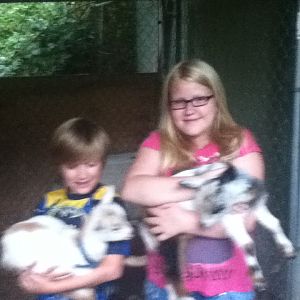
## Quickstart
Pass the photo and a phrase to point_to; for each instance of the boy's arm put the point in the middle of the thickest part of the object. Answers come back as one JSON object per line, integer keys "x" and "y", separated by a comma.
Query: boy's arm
{"x": 144, "y": 185}
{"x": 111, "y": 268}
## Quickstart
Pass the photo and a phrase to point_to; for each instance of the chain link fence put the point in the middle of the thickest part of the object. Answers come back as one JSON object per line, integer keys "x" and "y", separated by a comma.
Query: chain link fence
{"x": 252, "y": 46}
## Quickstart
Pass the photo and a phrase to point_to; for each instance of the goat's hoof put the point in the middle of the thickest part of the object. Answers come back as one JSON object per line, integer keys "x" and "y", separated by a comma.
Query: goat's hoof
{"x": 291, "y": 255}
{"x": 289, "y": 252}
{"x": 260, "y": 284}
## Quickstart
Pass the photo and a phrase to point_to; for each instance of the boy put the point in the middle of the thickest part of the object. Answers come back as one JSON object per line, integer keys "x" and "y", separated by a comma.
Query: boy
{"x": 79, "y": 149}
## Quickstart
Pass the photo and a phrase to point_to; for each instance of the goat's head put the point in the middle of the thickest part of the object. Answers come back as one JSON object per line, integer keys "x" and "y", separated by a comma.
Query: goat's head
{"x": 108, "y": 220}
{"x": 230, "y": 192}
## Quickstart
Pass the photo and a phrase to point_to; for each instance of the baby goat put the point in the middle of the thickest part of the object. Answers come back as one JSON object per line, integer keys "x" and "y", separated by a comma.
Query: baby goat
{"x": 226, "y": 199}
{"x": 45, "y": 242}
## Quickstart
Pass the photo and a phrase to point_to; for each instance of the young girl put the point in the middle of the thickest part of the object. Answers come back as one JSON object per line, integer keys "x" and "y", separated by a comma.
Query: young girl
{"x": 195, "y": 128}
{"x": 79, "y": 148}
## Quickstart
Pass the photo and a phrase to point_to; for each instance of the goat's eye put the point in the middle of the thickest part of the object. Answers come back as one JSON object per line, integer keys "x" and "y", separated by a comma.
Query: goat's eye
{"x": 218, "y": 209}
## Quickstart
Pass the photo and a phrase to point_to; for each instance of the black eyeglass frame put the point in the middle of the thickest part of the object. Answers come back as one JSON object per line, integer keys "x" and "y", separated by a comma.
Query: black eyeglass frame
{"x": 194, "y": 102}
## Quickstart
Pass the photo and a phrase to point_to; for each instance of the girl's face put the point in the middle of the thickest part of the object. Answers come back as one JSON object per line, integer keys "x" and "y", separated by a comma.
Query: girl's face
{"x": 81, "y": 177}
{"x": 194, "y": 122}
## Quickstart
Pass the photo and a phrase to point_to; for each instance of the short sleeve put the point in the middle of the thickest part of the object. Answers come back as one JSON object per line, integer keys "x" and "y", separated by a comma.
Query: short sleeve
{"x": 120, "y": 248}
{"x": 41, "y": 208}
{"x": 152, "y": 141}
{"x": 249, "y": 144}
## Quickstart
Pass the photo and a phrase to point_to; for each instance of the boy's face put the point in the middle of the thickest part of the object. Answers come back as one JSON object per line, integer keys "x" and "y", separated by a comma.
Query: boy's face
{"x": 81, "y": 177}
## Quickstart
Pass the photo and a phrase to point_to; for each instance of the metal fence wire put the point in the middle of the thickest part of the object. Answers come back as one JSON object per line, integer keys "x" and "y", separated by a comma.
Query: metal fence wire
{"x": 252, "y": 45}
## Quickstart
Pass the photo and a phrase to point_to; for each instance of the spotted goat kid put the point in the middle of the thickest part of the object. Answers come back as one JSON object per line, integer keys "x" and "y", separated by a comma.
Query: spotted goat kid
{"x": 226, "y": 199}
{"x": 45, "y": 242}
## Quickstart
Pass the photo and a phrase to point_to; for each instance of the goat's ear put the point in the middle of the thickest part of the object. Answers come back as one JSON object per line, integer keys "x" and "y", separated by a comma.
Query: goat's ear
{"x": 202, "y": 169}
{"x": 185, "y": 173}
{"x": 210, "y": 167}
{"x": 191, "y": 183}
{"x": 109, "y": 195}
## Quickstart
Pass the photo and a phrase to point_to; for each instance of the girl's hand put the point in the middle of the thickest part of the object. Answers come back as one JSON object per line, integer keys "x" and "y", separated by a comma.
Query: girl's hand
{"x": 169, "y": 220}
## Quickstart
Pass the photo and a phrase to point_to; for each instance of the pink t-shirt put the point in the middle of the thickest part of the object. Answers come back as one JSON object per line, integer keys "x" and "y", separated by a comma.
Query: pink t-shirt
{"x": 210, "y": 152}
{"x": 224, "y": 268}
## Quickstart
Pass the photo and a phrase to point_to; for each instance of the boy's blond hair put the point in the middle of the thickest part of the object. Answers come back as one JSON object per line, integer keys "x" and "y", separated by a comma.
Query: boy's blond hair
{"x": 176, "y": 148}
{"x": 79, "y": 139}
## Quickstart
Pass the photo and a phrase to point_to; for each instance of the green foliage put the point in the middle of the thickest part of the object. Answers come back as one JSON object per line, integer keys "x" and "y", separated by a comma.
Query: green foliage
{"x": 64, "y": 37}
{"x": 118, "y": 45}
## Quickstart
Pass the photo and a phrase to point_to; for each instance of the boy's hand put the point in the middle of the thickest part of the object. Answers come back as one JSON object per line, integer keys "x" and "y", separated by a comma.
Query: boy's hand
{"x": 54, "y": 274}
{"x": 35, "y": 283}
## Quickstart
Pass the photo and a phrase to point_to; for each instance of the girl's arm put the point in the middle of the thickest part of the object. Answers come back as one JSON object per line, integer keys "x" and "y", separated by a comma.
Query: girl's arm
{"x": 144, "y": 186}
{"x": 252, "y": 163}
{"x": 111, "y": 268}
{"x": 170, "y": 219}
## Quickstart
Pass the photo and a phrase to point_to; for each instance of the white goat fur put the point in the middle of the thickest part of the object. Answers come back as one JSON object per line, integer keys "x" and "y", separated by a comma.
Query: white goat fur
{"x": 45, "y": 242}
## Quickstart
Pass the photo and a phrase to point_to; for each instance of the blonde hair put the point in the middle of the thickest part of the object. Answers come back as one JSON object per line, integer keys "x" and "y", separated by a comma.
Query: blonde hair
{"x": 79, "y": 139}
{"x": 176, "y": 148}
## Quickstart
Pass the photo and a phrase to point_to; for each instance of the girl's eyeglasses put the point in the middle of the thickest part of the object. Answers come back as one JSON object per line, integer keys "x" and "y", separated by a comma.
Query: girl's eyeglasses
{"x": 196, "y": 102}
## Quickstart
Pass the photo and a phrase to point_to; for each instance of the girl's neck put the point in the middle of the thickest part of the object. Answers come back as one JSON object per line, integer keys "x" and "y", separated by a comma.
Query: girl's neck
{"x": 200, "y": 142}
